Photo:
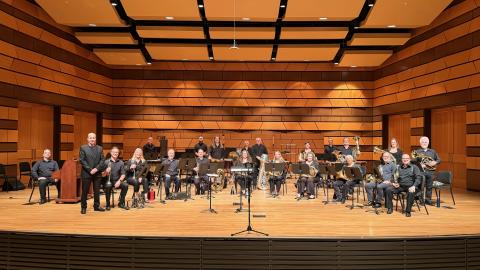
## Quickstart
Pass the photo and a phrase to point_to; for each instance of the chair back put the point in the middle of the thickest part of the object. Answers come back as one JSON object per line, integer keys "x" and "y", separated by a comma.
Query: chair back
{"x": 2, "y": 170}
{"x": 444, "y": 177}
{"x": 24, "y": 167}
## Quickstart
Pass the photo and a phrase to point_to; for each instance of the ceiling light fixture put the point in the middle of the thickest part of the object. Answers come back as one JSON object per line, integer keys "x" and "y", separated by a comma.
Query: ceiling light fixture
{"x": 184, "y": 59}
{"x": 235, "y": 44}
{"x": 200, "y": 6}
{"x": 114, "y": 4}
{"x": 92, "y": 24}
{"x": 323, "y": 18}
{"x": 211, "y": 57}
{"x": 282, "y": 6}
{"x": 169, "y": 18}
{"x": 273, "y": 58}
{"x": 336, "y": 63}
{"x": 353, "y": 66}
{"x": 356, "y": 27}
{"x": 391, "y": 26}
{"x": 149, "y": 63}
{"x": 246, "y": 19}
{"x": 370, "y": 5}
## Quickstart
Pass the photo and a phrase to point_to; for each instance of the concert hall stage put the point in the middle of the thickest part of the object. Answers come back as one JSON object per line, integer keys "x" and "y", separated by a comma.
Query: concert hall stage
{"x": 302, "y": 234}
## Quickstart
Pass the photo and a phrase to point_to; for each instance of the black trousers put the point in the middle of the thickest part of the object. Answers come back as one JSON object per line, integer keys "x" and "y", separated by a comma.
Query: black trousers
{"x": 201, "y": 184}
{"x": 306, "y": 182}
{"x": 275, "y": 183}
{"x": 389, "y": 197}
{"x": 243, "y": 180}
{"x": 42, "y": 187}
{"x": 108, "y": 191}
{"x": 86, "y": 181}
{"x": 428, "y": 184}
{"x": 342, "y": 188}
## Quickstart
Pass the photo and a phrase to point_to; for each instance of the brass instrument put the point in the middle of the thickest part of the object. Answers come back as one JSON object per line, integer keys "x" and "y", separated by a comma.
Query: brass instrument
{"x": 341, "y": 175}
{"x": 424, "y": 160}
{"x": 217, "y": 185}
{"x": 340, "y": 157}
{"x": 261, "y": 173}
{"x": 233, "y": 156}
{"x": 276, "y": 173}
{"x": 303, "y": 156}
{"x": 108, "y": 184}
{"x": 312, "y": 171}
{"x": 356, "y": 151}
{"x": 378, "y": 150}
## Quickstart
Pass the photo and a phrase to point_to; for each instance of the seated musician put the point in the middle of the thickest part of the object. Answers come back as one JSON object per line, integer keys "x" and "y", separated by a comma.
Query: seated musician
{"x": 277, "y": 178}
{"x": 409, "y": 180}
{"x": 171, "y": 174}
{"x": 114, "y": 169}
{"x": 303, "y": 155}
{"x": 242, "y": 178}
{"x": 42, "y": 171}
{"x": 345, "y": 149}
{"x": 216, "y": 151}
{"x": 386, "y": 170}
{"x": 200, "y": 179}
{"x": 305, "y": 182}
{"x": 343, "y": 186}
{"x": 135, "y": 171}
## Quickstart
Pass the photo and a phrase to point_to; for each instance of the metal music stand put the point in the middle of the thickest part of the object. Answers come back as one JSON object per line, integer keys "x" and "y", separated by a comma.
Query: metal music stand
{"x": 323, "y": 170}
{"x": 353, "y": 173}
{"x": 375, "y": 191}
{"x": 159, "y": 172}
{"x": 249, "y": 166}
{"x": 249, "y": 227}
{"x": 273, "y": 168}
{"x": 300, "y": 168}
{"x": 187, "y": 165}
{"x": 209, "y": 169}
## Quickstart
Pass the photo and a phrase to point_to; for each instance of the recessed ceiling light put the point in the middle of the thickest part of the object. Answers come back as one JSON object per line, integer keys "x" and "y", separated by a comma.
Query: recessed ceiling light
{"x": 211, "y": 57}
{"x": 246, "y": 19}
{"x": 370, "y": 5}
{"x": 169, "y": 18}
{"x": 138, "y": 64}
{"x": 184, "y": 59}
{"x": 336, "y": 63}
{"x": 306, "y": 60}
{"x": 149, "y": 63}
{"x": 391, "y": 26}
{"x": 323, "y": 18}
{"x": 353, "y": 66}
{"x": 356, "y": 27}
{"x": 282, "y": 6}
{"x": 92, "y": 24}
{"x": 114, "y": 4}
{"x": 200, "y": 6}
{"x": 273, "y": 58}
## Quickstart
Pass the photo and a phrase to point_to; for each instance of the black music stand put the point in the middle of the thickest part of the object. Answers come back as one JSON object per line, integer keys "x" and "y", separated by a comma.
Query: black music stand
{"x": 187, "y": 165}
{"x": 273, "y": 168}
{"x": 159, "y": 172}
{"x": 374, "y": 193}
{"x": 353, "y": 173}
{"x": 249, "y": 226}
{"x": 209, "y": 169}
{"x": 324, "y": 172}
{"x": 300, "y": 168}
{"x": 250, "y": 166}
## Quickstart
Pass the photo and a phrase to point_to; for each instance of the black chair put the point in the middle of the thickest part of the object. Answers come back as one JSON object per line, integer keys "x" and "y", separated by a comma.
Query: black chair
{"x": 36, "y": 183}
{"x": 419, "y": 196}
{"x": 26, "y": 170}
{"x": 443, "y": 180}
{"x": 6, "y": 178}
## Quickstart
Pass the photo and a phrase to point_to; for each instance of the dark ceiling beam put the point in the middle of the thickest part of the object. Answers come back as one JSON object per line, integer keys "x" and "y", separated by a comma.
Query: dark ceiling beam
{"x": 278, "y": 28}
{"x": 242, "y": 41}
{"x": 206, "y": 30}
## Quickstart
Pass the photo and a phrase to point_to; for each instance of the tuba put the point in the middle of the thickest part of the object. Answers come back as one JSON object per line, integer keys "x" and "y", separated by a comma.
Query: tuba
{"x": 217, "y": 185}
{"x": 424, "y": 159}
{"x": 356, "y": 151}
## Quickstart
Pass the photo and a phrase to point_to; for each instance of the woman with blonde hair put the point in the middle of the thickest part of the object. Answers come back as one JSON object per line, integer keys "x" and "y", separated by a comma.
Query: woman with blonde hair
{"x": 136, "y": 170}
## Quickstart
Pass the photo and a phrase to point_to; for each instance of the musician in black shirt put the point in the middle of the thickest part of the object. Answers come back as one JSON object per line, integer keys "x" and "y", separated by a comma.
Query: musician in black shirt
{"x": 149, "y": 151}
{"x": 216, "y": 151}
{"x": 42, "y": 171}
{"x": 115, "y": 172}
{"x": 258, "y": 150}
{"x": 91, "y": 158}
{"x": 201, "y": 145}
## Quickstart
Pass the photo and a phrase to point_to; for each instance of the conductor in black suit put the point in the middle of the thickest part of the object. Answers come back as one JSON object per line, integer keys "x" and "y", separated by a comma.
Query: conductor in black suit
{"x": 91, "y": 159}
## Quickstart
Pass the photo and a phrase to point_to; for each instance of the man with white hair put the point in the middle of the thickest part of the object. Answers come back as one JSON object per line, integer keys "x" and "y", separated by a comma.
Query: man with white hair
{"x": 428, "y": 167}
{"x": 91, "y": 158}
{"x": 342, "y": 187}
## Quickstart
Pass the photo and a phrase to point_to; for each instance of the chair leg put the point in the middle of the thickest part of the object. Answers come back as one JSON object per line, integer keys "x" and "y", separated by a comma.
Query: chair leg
{"x": 426, "y": 210}
{"x": 396, "y": 202}
{"x": 48, "y": 193}
{"x": 31, "y": 193}
{"x": 358, "y": 193}
{"x": 418, "y": 205}
{"x": 451, "y": 193}
{"x": 402, "y": 203}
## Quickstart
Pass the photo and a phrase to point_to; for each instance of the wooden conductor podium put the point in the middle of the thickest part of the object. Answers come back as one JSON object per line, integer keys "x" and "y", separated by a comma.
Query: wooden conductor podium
{"x": 70, "y": 182}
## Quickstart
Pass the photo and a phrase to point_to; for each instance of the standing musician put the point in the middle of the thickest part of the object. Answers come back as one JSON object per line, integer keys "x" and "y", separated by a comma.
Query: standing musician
{"x": 409, "y": 180}
{"x": 428, "y": 159}
{"x": 136, "y": 169}
{"x": 91, "y": 158}
{"x": 149, "y": 150}
{"x": 201, "y": 145}
{"x": 200, "y": 180}
{"x": 276, "y": 179}
{"x": 395, "y": 150}
{"x": 246, "y": 146}
{"x": 42, "y": 171}
{"x": 242, "y": 178}
{"x": 303, "y": 155}
{"x": 306, "y": 180}
{"x": 386, "y": 170}
{"x": 328, "y": 150}
{"x": 171, "y": 174}
{"x": 216, "y": 151}
{"x": 343, "y": 186}
{"x": 345, "y": 149}
{"x": 257, "y": 151}
{"x": 114, "y": 172}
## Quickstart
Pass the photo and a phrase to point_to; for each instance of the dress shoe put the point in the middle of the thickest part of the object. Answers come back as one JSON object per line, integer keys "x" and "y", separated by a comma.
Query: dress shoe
{"x": 311, "y": 197}
{"x": 83, "y": 211}
{"x": 100, "y": 209}
{"x": 389, "y": 211}
{"x": 407, "y": 214}
{"x": 107, "y": 208}
{"x": 42, "y": 201}
{"x": 122, "y": 205}
{"x": 343, "y": 200}
{"x": 377, "y": 205}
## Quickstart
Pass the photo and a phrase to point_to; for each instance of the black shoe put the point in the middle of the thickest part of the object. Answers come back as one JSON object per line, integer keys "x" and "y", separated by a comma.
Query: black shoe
{"x": 122, "y": 205}
{"x": 407, "y": 214}
{"x": 389, "y": 211}
{"x": 342, "y": 200}
{"x": 83, "y": 211}
{"x": 99, "y": 209}
{"x": 377, "y": 205}
{"x": 107, "y": 208}
{"x": 42, "y": 201}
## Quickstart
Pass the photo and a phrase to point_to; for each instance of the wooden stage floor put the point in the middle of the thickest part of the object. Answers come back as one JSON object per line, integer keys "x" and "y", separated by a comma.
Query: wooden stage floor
{"x": 285, "y": 217}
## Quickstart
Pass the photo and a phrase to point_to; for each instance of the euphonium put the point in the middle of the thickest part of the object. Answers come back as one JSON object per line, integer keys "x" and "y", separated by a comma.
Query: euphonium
{"x": 424, "y": 160}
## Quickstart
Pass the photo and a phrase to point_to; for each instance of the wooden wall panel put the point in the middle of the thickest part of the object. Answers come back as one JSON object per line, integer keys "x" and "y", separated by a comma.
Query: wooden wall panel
{"x": 35, "y": 130}
{"x": 448, "y": 139}
{"x": 85, "y": 123}
{"x": 399, "y": 128}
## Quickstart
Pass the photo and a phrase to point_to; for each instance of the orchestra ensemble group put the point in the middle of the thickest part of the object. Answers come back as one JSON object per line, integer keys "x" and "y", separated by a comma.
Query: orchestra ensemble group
{"x": 397, "y": 172}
